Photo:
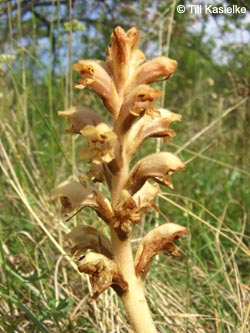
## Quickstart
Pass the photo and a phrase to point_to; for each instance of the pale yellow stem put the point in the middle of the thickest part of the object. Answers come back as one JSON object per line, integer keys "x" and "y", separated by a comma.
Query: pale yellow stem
{"x": 134, "y": 300}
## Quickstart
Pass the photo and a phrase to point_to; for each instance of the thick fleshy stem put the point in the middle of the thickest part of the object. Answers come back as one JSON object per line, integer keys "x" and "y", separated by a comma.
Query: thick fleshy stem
{"x": 134, "y": 301}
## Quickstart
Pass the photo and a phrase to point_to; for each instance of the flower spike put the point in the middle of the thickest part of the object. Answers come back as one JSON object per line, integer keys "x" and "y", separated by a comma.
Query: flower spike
{"x": 123, "y": 83}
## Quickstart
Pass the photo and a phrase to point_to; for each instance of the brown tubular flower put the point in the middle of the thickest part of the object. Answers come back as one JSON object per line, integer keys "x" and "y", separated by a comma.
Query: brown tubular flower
{"x": 160, "y": 239}
{"x": 85, "y": 237}
{"x": 157, "y": 166}
{"x": 79, "y": 117}
{"x": 96, "y": 75}
{"x": 74, "y": 194}
{"x": 156, "y": 124}
{"x": 136, "y": 104}
{"x": 145, "y": 196}
{"x": 104, "y": 273}
{"x": 150, "y": 71}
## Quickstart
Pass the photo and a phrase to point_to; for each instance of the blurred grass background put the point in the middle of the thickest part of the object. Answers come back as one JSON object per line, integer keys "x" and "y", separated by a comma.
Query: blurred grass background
{"x": 205, "y": 290}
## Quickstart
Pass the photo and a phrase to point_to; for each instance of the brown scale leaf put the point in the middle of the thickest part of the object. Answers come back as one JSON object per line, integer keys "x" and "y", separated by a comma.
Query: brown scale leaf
{"x": 126, "y": 215}
{"x": 130, "y": 209}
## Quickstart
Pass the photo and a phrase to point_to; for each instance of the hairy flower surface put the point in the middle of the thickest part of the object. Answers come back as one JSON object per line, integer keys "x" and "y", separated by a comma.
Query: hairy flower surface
{"x": 122, "y": 55}
{"x": 150, "y": 71}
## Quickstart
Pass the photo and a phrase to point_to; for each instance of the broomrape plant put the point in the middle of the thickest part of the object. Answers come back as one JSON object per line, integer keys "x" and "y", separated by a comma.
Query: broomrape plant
{"x": 122, "y": 82}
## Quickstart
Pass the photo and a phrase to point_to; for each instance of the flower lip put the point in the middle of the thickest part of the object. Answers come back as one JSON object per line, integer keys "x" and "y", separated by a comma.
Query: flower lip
{"x": 139, "y": 101}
